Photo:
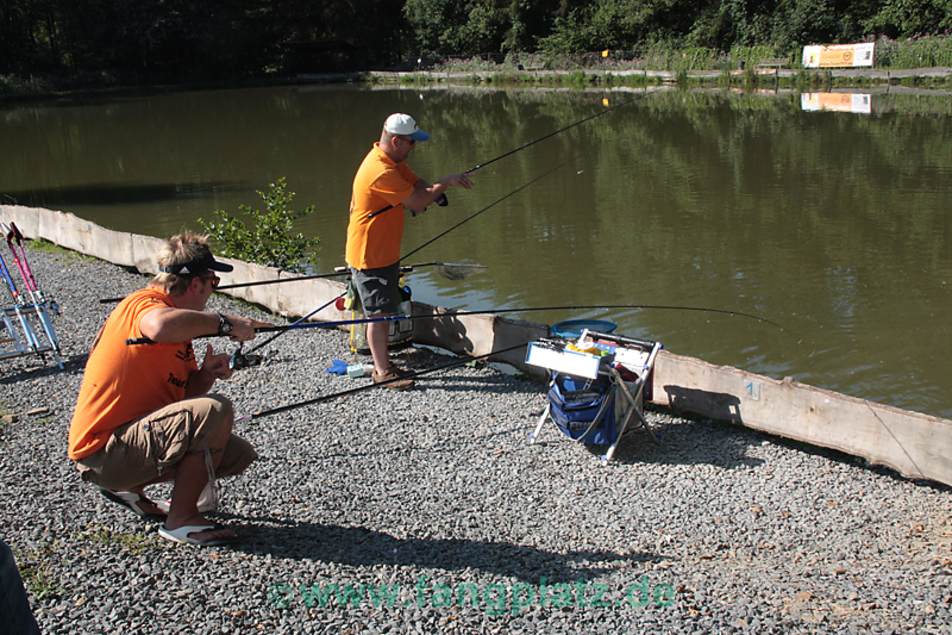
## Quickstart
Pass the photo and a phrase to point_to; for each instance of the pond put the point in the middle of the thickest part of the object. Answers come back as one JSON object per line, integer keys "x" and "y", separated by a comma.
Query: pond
{"x": 833, "y": 224}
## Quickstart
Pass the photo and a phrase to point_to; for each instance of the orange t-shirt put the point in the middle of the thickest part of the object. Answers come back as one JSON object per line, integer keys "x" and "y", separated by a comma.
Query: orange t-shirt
{"x": 121, "y": 382}
{"x": 375, "y": 242}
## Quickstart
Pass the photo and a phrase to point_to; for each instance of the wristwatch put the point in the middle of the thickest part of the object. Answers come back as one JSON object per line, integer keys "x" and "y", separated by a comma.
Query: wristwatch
{"x": 224, "y": 325}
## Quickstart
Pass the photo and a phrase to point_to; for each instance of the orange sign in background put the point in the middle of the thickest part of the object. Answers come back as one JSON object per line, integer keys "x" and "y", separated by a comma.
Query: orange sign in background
{"x": 838, "y": 102}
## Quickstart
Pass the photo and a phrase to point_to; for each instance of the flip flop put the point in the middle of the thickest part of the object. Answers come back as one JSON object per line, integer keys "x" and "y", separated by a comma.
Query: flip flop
{"x": 181, "y": 535}
{"x": 133, "y": 501}
{"x": 206, "y": 502}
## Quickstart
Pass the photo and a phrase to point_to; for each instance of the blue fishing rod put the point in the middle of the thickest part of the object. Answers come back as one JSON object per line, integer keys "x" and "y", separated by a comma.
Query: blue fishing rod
{"x": 19, "y": 306}
{"x": 40, "y": 302}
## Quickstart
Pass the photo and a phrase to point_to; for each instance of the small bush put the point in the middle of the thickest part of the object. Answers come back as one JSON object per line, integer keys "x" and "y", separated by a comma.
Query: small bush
{"x": 267, "y": 237}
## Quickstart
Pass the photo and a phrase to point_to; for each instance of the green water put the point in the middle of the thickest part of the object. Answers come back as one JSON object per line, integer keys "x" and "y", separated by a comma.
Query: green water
{"x": 835, "y": 225}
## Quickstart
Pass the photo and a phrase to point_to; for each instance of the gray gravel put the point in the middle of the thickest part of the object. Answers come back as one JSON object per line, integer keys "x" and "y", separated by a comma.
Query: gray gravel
{"x": 727, "y": 529}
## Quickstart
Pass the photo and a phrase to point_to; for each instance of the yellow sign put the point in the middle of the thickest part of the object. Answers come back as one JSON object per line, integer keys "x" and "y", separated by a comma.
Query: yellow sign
{"x": 838, "y": 55}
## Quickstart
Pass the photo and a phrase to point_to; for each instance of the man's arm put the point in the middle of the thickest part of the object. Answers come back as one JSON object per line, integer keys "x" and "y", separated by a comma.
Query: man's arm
{"x": 168, "y": 324}
{"x": 214, "y": 366}
{"x": 425, "y": 193}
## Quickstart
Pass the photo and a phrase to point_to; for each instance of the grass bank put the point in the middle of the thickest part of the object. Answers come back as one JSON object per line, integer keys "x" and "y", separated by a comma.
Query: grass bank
{"x": 740, "y": 66}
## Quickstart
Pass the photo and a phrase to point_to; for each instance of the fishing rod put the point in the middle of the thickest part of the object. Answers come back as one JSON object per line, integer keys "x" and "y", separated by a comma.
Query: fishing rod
{"x": 240, "y": 359}
{"x": 477, "y": 213}
{"x": 449, "y": 270}
{"x": 19, "y": 304}
{"x": 40, "y": 303}
{"x": 316, "y": 400}
{"x": 297, "y": 325}
{"x": 480, "y": 166}
{"x": 12, "y": 233}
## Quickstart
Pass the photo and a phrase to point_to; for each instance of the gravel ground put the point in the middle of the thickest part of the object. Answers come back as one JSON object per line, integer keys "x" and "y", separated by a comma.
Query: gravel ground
{"x": 428, "y": 511}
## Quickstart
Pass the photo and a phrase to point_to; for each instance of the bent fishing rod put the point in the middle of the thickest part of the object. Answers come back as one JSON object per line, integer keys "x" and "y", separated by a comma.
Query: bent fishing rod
{"x": 316, "y": 400}
{"x": 302, "y": 321}
{"x": 480, "y": 166}
{"x": 243, "y": 360}
{"x": 453, "y": 271}
{"x": 240, "y": 358}
{"x": 449, "y": 270}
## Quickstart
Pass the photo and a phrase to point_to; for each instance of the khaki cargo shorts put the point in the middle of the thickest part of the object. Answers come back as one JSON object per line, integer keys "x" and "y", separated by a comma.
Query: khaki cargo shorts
{"x": 146, "y": 449}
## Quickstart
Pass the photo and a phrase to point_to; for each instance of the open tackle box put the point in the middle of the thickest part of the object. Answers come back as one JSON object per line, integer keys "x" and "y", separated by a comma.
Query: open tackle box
{"x": 598, "y": 384}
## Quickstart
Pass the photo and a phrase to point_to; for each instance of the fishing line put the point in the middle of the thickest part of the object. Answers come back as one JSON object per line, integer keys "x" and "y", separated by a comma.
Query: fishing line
{"x": 237, "y": 355}
{"x": 298, "y": 325}
{"x": 475, "y": 214}
{"x": 480, "y": 166}
{"x": 450, "y": 270}
{"x": 573, "y": 307}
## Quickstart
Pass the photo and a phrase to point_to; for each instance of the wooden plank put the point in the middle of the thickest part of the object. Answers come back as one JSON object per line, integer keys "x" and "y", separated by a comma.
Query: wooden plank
{"x": 913, "y": 444}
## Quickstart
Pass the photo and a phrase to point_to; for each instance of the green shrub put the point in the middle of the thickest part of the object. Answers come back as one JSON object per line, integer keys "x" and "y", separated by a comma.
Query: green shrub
{"x": 267, "y": 236}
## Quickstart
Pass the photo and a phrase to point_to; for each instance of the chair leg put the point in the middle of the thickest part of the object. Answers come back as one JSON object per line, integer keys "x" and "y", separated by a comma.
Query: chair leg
{"x": 533, "y": 436}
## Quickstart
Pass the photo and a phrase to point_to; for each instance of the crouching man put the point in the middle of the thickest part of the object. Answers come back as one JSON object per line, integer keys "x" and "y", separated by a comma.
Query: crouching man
{"x": 144, "y": 414}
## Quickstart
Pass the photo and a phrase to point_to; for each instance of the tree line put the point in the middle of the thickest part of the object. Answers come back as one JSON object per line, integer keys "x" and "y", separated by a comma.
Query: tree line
{"x": 163, "y": 40}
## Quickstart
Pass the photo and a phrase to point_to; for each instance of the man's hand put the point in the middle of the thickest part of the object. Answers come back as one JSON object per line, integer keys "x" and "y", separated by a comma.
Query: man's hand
{"x": 215, "y": 364}
{"x": 457, "y": 180}
{"x": 425, "y": 194}
{"x": 243, "y": 329}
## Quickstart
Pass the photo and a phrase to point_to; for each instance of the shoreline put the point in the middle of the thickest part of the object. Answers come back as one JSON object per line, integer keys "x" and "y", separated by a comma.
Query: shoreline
{"x": 933, "y": 78}
{"x": 420, "y": 495}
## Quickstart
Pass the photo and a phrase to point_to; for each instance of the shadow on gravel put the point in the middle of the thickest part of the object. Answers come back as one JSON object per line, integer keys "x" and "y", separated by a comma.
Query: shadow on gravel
{"x": 492, "y": 385}
{"x": 691, "y": 442}
{"x": 452, "y": 444}
{"x": 357, "y": 546}
{"x": 71, "y": 364}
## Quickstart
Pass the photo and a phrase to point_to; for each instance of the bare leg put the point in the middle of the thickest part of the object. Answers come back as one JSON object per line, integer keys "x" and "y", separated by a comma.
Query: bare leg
{"x": 191, "y": 476}
{"x": 378, "y": 334}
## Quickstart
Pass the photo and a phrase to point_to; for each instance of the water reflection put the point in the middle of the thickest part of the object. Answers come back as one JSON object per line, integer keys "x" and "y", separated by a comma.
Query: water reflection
{"x": 833, "y": 224}
{"x": 105, "y": 194}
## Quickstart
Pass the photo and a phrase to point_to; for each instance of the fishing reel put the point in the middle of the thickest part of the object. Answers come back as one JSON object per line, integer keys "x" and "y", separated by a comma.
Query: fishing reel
{"x": 241, "y": 361}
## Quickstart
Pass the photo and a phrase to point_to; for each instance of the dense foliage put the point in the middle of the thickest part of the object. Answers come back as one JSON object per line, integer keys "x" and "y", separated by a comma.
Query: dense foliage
{"x": 151, "y": 40}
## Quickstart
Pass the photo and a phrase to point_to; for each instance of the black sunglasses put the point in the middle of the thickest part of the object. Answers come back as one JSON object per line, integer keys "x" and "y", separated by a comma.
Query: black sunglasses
{"x": 215, "y": 280}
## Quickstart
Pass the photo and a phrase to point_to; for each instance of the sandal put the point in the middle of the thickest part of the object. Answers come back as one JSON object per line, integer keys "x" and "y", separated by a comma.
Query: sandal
{"x": 133, "y": 501}
{"x": 182, "y": 535}
{"x": 394, "y": 379}
{"x": 207, "y": 502}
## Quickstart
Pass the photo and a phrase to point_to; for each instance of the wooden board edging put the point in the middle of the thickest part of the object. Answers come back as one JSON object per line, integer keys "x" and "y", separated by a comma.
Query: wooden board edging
{"x": 916, "y": 445}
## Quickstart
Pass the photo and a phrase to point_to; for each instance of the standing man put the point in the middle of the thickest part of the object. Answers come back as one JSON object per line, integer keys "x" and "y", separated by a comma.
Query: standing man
{"x": 144, "y": 414}
{"x": 384, "y": 188}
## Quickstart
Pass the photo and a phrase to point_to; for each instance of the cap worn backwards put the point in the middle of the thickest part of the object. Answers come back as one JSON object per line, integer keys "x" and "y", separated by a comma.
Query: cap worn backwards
{"x": 201, "y": 263}
{"x": 404, "y": 125}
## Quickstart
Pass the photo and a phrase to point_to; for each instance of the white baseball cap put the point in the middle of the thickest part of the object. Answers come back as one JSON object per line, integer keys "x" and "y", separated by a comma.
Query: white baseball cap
{"x": 405, "y": 126}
